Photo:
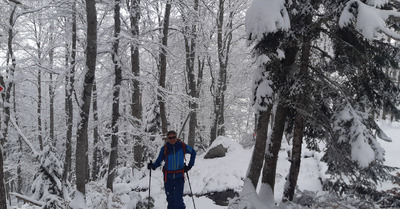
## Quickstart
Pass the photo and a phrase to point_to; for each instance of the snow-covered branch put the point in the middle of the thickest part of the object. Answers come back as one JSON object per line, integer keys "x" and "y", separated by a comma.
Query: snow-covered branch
{"x": 369, "y": 20}
{"x": 266, "y": 16}
{"x": 25, "y": 139}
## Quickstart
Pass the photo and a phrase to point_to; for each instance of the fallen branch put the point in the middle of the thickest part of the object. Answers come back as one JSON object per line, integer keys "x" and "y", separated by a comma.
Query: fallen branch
{"x": 25, "y": 139}
{"x": 27, "y": 199}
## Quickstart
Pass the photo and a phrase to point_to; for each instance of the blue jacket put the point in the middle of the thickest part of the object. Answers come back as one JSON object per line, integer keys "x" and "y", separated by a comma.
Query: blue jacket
{"x": 174, "y": 161}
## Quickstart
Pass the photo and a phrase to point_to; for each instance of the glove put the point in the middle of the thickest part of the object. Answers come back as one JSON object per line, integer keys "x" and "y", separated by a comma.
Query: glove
{"x": 187, "y": 168}
{"x": 150, "y": 165}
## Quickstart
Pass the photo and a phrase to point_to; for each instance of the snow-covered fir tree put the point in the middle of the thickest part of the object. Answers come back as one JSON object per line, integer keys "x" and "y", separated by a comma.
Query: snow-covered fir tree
{"x": 324, "y": 81}
{"x": 47, "y": 186}
{"x": 152, "y": 117}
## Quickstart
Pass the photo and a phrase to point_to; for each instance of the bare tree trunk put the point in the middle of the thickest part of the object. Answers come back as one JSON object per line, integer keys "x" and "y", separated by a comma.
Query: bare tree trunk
{"x": 398, "y": 79}
{"x": 6, "y": 99}
{"x": 136, "y": 104}
{"x": 51, "y": 99}
{"x": 190, "y": 37}
{"x": 96, "y": 152}
{"x": 82, "y": 132}
{"x": 291, "y": 182}
{"x": 69, "y": 89}
{"x": 51, "y": 95}
{"x": 224, "y": 39}
{"x": 299, "y": 120}
{"x": 38, "y": 33}
{"x": 271, "y": 157}
{"x": 213, "y": 132}
{"x": 257, "y": 158}
{"x": 19, "y": 170}
{"x": 115, "y": 106}
{"x": 163, "y": 66}
{"x": 39, "y": 105}
{"x": 3, "y": 200}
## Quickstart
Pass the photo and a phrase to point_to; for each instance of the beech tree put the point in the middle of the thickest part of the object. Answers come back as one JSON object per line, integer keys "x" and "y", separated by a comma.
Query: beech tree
{"x": 190, "y": 14}
{"x": 5, "y": 98}
{"x": 116, "y": 94}
{"x": 82, "y": 132}
{"x": 224, "y": 38}
{"x": 163, "y": 66}
{"x": 69, "y": 89}
{"x": 136, "y": 98}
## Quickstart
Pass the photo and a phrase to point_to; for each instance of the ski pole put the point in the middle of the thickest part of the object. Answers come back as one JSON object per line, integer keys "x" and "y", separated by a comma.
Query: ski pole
{"x": 148, "y": 201}
{"x": 190, "y": 186}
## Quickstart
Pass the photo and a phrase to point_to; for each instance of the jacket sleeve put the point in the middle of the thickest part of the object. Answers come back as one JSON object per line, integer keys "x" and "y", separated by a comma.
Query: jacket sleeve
{"x": 192, "y": 153}
{"x": 159, "y": 159}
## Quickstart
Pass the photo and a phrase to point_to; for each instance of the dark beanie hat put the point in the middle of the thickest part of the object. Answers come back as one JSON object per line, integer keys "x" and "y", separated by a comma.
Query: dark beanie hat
{"x": 171, "y": 133}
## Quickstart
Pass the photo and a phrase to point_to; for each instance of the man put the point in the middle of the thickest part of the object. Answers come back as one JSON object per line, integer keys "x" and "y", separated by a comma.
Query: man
{"x": 173, "y": 154}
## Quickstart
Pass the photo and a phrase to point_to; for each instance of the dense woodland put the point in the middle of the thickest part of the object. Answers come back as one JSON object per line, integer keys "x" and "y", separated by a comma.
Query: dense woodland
{"x": 91, "y": 88}
{"x": 109, "y": 78}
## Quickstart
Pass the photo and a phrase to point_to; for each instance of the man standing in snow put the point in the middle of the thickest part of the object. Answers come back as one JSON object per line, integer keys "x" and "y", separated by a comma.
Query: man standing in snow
{"x": 173, "y": 154}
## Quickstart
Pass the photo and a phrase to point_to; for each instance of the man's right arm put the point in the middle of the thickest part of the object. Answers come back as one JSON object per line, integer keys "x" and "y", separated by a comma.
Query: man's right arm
{"x": 159, "y": 159}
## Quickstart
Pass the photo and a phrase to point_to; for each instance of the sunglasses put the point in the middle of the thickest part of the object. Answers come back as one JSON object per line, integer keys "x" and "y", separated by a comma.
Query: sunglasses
{"x": 172, "y": 137}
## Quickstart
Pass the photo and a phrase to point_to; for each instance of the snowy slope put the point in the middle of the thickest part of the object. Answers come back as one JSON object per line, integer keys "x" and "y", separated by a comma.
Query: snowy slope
{"x": 219, "y": 174}
{"x": 392, "y": 130}
{"x": 210, "y": 175}
{"x": 392, "y": 153}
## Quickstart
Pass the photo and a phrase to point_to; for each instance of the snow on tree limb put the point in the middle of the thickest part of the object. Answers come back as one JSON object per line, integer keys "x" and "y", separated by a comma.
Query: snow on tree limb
{"x": 27, "y": 199}
{"x": 35, "y": 153}
{"x": 369, "y": 20}
{"x": 266, "y": 16}
{"x": 350, "y": 126}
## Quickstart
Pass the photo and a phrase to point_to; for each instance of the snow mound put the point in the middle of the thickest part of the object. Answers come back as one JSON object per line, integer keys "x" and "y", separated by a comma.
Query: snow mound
{"x": 228, "y": 143}
{"x": 220, "y": 174}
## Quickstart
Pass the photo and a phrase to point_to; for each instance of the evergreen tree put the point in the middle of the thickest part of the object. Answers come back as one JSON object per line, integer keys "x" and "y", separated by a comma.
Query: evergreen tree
{"x": 153, "y": 118}
{"x": 359, "y": 89}
{"x": 47, "y": 186}
{"x": 348, "y": 85}
{"x": 332, "y": 89}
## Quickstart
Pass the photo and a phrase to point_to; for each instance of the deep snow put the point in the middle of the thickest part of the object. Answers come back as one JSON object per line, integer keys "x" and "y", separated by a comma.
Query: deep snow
{"x": 210, "y": 175}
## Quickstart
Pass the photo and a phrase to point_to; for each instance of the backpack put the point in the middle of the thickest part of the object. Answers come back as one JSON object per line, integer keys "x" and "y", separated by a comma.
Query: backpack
{"x": 166, "y": 160}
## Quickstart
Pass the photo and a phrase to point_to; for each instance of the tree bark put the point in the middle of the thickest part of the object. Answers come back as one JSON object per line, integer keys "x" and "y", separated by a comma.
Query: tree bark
{"x": 190, "y": 38}
{"x": 3, "y": 200}
{"x": 97, "y": 158}
{"x": 257, "y": 158}
{"x": 51, "y": 101}
{"x": 136, "y": 104}
{"x": 224, "y": 39}
{"x": 82, "y": 132}
{"x": 37, "y": 24}
{"x": 39, "y": 103}
{"x": 6, "y": 94}
{"x": 51, "y": 93}
{"x": 271, "y": 156}
{"x": 69, "y": 110}
{"x": 163, "y": 66}
{"x": 115, "y": 106}
{"x": 299, "y": 120}
{"x": 19, "y": 170}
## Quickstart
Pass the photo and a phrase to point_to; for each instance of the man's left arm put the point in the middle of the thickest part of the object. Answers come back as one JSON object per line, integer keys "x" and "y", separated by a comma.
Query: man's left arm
{"x": 192, "y": 153}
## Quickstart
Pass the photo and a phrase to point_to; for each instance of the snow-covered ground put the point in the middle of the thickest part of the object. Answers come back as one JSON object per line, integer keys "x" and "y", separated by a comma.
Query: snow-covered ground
{"x": 392, "y": 130}
{"x": 392, "y": 153}
{"x": 227, "y": 173}
{"x": 210, "y": 175}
